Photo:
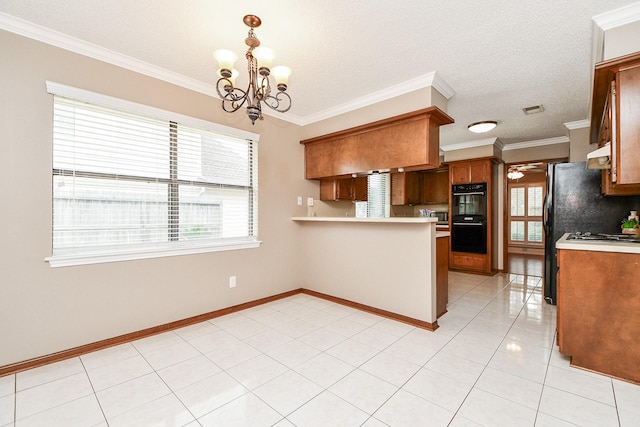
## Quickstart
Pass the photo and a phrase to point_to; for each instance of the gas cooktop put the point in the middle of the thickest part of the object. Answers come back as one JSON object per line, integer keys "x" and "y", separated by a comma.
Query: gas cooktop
{"x": 606, "y": 237}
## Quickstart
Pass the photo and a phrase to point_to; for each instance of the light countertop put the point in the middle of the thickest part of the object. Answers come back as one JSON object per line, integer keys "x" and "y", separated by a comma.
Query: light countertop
{"x": 597, "y": 245}
{"x": 398, "y": 219}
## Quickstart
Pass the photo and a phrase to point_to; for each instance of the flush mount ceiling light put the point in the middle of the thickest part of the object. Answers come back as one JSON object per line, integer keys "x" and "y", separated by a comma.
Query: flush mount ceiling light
{"x": 481, "y": 127}
{"x": 259, "y": 67}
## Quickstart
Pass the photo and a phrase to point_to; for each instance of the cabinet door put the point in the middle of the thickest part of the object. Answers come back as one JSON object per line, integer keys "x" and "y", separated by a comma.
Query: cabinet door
{"x": 360, "y": 189}
{"x": 414, "y": 188}
{"x": 459, "y": 173}
{"x": 619, "y": 122}
{"x": 345, "y": 189}
{"x": 405, "y": 188}
{"x": 328, "y": 189}
{"x": 478, "y": 172}
{"x": 442, "y": 275}
{"x": 398, "y": 188}
{"x": 436, "y": 187}
{"x": 628, "y": 146}
{"x": 560, "y": 307}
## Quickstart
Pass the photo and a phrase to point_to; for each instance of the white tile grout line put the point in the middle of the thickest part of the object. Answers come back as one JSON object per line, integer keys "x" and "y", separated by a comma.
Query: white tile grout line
{"x": 470, "y": 320}
{"x": 530, "y": 293}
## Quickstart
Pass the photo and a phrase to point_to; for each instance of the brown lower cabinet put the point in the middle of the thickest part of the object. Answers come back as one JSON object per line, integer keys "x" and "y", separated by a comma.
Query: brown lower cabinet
{"x": 442, "y": 275}
{"x": 598, "y": 309}
{"x": 469, "y": 261}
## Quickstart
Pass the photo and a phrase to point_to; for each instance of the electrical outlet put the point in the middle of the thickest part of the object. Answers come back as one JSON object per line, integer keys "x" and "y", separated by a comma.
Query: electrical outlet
{"x": 232, "y": 281}
{"x": 309, "y": 201}
{"x": 299, "y": 200}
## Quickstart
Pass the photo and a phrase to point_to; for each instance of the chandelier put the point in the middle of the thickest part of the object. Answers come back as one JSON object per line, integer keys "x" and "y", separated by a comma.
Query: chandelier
{"x": 258, "y": 91}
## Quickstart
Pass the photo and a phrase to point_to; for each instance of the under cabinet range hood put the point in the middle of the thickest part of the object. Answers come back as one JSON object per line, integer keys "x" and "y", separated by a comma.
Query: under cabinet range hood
{"x": 600, "y": 158}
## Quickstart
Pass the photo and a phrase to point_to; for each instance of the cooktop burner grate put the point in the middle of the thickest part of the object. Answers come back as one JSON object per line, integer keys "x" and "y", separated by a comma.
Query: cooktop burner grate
{"x": 603, "y": 236}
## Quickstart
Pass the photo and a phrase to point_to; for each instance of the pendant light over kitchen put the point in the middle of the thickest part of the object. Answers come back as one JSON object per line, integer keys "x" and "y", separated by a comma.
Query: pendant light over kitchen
{"x": 259, "y": 68}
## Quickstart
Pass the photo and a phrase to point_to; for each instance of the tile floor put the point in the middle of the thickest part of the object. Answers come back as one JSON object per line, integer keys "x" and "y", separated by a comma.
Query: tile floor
{"x": 303, "y": 361}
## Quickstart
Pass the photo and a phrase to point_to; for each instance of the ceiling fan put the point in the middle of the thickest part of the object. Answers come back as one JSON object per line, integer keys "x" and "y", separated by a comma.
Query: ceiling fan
{"x": 517, "y": 171}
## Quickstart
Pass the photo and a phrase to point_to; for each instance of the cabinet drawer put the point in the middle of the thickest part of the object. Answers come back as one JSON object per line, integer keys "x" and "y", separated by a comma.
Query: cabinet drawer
{"x": 467, "y": 261}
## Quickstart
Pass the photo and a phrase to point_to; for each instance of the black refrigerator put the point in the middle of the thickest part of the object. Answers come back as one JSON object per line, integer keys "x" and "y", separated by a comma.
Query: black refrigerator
{"x": 574, "y": 203}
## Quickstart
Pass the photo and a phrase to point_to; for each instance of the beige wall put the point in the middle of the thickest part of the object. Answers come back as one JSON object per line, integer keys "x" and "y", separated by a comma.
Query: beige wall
{"x": 553, "y": 151}
{"x": 470, "y": 153}
{"x": 409, "y": 102}
{"x": 44, "y": 309}
{"x": 389, "y": 266}
{"x": 579, "y": 141}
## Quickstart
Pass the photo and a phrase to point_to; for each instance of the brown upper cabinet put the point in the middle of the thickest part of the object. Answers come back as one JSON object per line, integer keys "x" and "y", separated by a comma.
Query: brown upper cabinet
{"x": 469, "y": 171}
{"x": 410, "y": 141}
{"x": 406, "y": 188}
{"x": 420, "y": 188}
{"x": 436, "y": 187}
{"x": 615, "y": 118}
{"x": 354, "y": 189}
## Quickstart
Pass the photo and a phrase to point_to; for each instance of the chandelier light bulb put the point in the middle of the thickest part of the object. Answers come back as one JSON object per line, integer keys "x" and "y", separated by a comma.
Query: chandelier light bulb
{"x": 264, "y": 56}
{"x": 281, "y": 75}
{"x": 226, "y": 59}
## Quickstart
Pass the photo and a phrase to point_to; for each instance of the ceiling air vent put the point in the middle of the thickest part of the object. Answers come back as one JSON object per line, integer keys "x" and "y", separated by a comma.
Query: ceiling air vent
{"x": 534, "y": 109}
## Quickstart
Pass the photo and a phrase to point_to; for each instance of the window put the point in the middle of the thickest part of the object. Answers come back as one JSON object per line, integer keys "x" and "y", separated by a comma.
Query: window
{"x": 378, "y": 202}
{"x": 525, "y": 214}
{"x": 128, "y": 185}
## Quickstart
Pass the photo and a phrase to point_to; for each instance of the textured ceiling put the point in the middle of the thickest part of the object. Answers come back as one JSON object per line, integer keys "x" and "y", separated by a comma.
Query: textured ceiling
{"x": 498, "y": 56}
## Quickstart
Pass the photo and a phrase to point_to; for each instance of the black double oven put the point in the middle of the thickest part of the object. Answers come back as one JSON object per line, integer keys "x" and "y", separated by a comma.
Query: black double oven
{"x": 469, "y": 218}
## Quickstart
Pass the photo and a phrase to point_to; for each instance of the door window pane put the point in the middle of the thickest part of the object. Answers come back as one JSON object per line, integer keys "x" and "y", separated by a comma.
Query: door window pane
{"x": 534, "y": 205}
{"x": 534, "y": 231}
{"x": 517, "y": 231}
{"x": 517, "y": 201}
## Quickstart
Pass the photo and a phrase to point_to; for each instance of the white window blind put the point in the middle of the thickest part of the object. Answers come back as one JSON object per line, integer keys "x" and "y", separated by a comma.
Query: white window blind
{"x": 127, "y": 184}
{"x": 378, "y": 204}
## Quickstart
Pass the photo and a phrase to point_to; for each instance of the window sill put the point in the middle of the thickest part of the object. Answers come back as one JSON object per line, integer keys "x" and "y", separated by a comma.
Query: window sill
{"x": 68, "y": 260}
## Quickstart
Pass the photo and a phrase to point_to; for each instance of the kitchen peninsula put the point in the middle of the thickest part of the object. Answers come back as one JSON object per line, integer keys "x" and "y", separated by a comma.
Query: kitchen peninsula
{"x": 386, "y": 265}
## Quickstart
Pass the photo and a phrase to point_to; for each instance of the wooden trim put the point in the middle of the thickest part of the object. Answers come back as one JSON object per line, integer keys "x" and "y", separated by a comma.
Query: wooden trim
{"x": 144, "y": 333}
{"x": 378, "y": 311}
{"x": 434, "y": 113}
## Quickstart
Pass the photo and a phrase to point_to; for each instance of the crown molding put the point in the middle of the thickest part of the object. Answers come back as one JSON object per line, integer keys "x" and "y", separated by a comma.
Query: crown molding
{"x": 441, "y": 86}
{"x": 536, "y": 143}
{"x": 472, "y": 144}
{"x": 578, "y": 124}
{"x": 55, "y": 38}
{"x": 63, "y": 41}
{"x": 607, "y": 21}
{"x": 420, "y": 82}
{"x": 618, "y": 17}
